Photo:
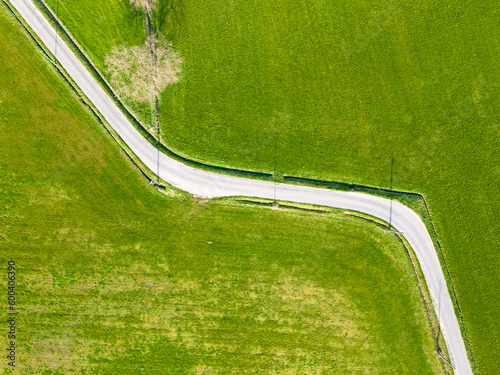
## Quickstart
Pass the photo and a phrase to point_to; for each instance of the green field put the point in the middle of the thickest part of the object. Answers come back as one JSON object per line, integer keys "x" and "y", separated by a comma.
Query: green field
{"x": 114, "y": 277}
{"x": 341, "y": 87}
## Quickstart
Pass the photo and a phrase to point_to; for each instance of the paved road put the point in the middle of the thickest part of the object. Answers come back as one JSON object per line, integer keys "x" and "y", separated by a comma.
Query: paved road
{"x": 208, "y": 184}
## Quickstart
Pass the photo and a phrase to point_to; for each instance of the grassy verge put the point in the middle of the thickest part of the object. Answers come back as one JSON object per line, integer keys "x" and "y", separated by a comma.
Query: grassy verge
{"x": 115, "y": 278}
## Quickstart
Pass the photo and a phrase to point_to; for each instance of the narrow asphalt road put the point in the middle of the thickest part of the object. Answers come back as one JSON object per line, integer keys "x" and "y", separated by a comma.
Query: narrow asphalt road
{"x": 210, "y": 185}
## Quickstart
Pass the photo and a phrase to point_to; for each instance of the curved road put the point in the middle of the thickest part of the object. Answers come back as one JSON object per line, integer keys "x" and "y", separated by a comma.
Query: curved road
{"x": 210, "y": 185}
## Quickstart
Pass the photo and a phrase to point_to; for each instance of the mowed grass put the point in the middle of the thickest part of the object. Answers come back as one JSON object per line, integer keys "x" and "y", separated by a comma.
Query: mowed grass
{"x": 116, "y": 278}
{"x": 340, "y": 88}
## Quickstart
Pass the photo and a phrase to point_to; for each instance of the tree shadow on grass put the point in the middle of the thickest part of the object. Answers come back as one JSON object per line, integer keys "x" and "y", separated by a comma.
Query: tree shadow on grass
{"x": 169, "y": 16}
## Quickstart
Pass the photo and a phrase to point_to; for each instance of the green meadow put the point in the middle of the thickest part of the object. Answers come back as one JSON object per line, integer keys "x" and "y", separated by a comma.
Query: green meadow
{"x": 116, "y": 277}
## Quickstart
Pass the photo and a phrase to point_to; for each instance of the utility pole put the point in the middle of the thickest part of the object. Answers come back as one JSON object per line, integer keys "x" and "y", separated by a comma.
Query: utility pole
{"x": 439, "y": 319}
{"x": 390, "y": 210}
{"x": 57, "y": 32}
{"x": 274, "y": 203}
{"x": 155, "y": 106}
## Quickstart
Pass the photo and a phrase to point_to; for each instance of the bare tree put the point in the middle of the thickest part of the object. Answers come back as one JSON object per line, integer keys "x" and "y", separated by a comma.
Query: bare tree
{"x": 138, "y": 76}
